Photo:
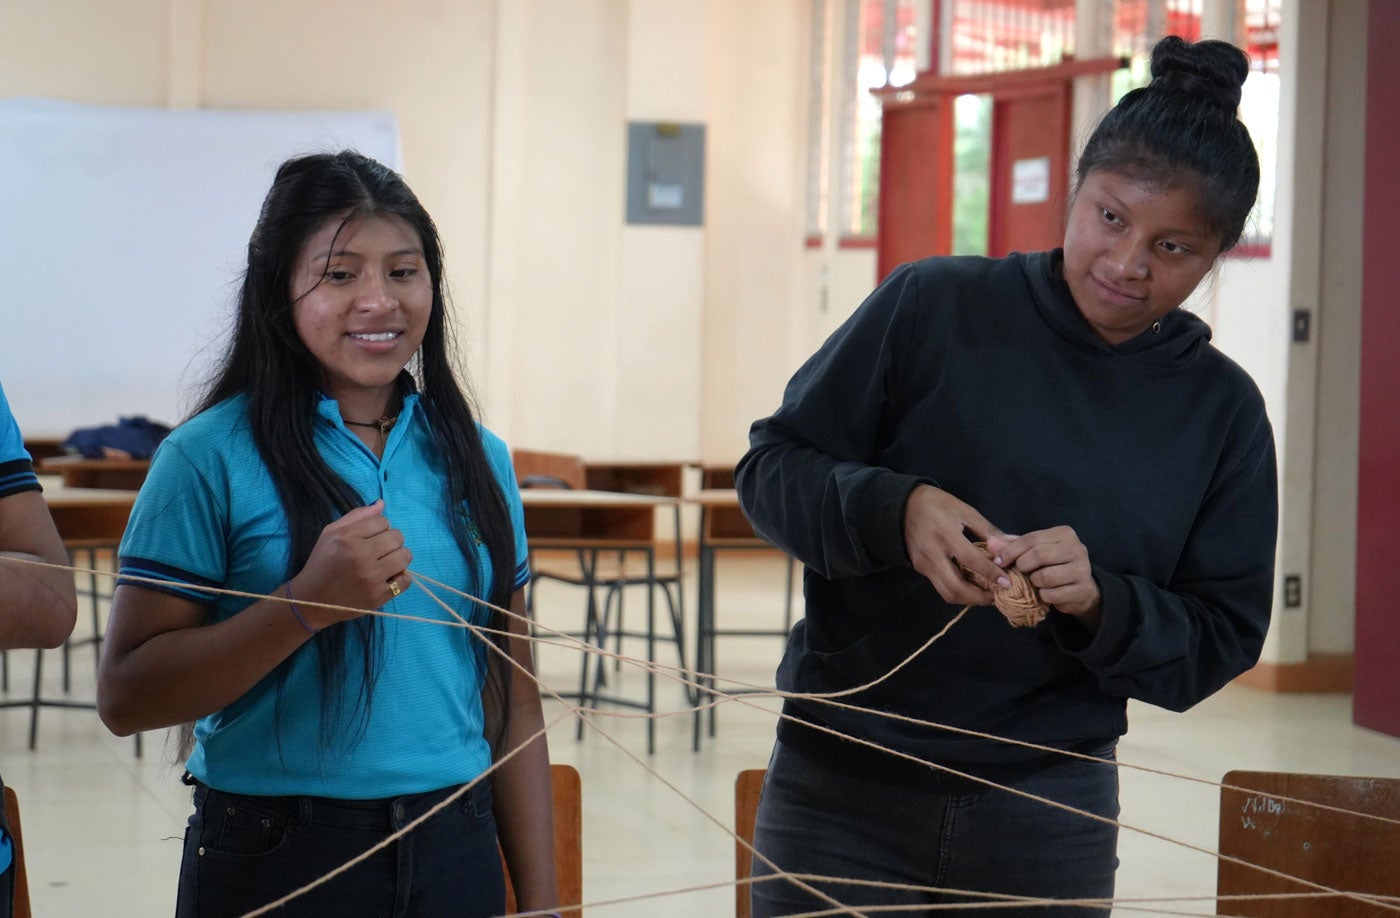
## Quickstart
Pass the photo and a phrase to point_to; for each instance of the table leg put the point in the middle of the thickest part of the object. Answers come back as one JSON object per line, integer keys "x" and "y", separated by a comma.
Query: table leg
{"x": 588, "y": 565}
{"x": 702, "y": 641}
{"x": 651, "y": 650}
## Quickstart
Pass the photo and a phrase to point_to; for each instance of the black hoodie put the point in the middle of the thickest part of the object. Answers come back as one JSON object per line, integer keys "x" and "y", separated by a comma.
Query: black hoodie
{"x": 980, "y": 376}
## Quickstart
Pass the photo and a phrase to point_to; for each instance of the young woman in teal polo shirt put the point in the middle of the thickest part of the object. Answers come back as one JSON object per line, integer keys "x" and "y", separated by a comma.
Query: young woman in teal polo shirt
{"x": 334, "y": 456}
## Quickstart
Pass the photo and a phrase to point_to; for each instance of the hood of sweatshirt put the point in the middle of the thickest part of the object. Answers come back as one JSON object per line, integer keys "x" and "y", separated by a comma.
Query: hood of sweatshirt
{"x": 1177, "y": 342}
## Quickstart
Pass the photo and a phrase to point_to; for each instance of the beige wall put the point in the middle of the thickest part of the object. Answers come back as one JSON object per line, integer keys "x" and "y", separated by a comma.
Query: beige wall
{"x": 1310, "y": 387}
{"x": 1338, "y": 334}
{"x": 582, "y": 333}
{"x": 757, "y": 65}
{"x": 81, "y": 51}
{"x": 556, "y": 242}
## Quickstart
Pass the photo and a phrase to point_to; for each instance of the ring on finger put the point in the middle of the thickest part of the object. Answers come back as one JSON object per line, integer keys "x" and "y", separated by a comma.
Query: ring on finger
{"x": 394, "y": 585}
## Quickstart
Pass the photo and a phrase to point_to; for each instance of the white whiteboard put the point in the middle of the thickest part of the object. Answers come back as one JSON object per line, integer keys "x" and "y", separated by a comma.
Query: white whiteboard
{"x": 123, "y": 236}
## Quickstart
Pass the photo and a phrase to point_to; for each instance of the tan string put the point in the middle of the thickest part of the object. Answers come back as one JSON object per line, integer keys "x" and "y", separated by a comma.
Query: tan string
{"x": 588, "y": 717}
{"x": 569, "y": 709}
{"x": 1020, "y": 602}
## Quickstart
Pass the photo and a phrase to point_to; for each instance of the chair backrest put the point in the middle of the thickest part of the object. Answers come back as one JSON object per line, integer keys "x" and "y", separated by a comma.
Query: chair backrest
{"x": 568, "y": 840}
{"x": 21, "y": 900}
{"x": 746, "y": 791}
{"x": 1338, "y": 850}
{"x": 538, "y": 468}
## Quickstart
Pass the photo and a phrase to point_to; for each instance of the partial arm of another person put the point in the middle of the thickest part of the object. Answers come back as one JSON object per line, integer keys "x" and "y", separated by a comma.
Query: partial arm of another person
{"x": 521, "y": 786}
{"x": 809, "y": 483}
{"x": 162, "y": 664}
{"x": 38, "y": 605}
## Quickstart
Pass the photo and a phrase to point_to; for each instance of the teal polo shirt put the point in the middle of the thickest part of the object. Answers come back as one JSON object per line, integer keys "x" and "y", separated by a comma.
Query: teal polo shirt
{"x": 16, "y": 467}
{"x": 209, "y": 515}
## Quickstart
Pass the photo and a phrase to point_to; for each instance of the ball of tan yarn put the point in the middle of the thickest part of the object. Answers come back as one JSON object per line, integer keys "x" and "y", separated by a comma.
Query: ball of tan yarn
{"x": 1020, "y": 602}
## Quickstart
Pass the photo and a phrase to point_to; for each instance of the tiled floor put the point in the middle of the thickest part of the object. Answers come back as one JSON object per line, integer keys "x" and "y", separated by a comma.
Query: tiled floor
{"x": 103, "y": 829}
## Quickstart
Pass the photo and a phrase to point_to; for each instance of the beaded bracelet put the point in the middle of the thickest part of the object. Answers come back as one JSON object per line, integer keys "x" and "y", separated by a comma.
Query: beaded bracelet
{"x": 290, "y": 602}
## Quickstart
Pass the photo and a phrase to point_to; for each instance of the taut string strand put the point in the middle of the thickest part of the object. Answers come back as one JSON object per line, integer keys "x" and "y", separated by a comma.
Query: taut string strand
{"x": 828, "y": 698}
{"x": 721, "y": 697}
{"x": 678, "y": 675}
{"x": 569, "y": 709}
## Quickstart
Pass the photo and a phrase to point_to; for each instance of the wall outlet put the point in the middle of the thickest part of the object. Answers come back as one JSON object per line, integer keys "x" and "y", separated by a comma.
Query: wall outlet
{"x": 1292, "y": 591}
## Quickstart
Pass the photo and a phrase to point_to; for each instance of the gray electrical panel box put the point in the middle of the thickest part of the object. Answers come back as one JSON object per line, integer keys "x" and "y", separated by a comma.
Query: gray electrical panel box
{"x": 665, "y": 173}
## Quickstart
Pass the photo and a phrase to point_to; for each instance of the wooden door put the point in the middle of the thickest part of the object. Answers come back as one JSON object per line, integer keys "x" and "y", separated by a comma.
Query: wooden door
{"x": 916, "y": 154}
{"x": 1029, "y": 167}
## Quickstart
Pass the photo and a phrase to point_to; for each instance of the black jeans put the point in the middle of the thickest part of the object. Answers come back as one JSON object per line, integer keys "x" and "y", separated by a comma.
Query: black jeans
{"x": 813, "y": 820}
{"x": 242, "y": 853}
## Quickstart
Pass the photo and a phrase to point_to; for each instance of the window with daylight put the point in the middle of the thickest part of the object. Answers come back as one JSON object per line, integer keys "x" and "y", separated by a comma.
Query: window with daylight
{"x": 818, "y": 122}
{"x": 1137, "y": 24}
{"x": 861, "y": 45}
{"x": 1259, "y": 107}
{"x": 878, "y": 49}
{"x": 990, "y": 36}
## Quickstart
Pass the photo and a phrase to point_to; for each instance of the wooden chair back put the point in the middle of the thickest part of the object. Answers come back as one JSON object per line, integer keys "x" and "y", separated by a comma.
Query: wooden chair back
{"x": 536, "y": 468}
{"x": 747, "y": 788}
{"x": 568, "y": 841}
{"x": 1339, "y": 850}
{"x": 21, "y": 901}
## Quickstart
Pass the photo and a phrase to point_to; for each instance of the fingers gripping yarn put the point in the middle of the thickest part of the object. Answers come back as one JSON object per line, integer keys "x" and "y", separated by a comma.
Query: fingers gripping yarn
{"x": 1020, "y": 602}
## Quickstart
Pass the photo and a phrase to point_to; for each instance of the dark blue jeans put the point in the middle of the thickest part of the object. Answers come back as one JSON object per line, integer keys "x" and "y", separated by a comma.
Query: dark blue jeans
{"x": 242, "y": 853}
{"x": 814, "y": 820}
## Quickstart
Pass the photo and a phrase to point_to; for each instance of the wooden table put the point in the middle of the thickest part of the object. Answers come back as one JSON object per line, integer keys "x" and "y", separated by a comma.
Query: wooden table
{"x": 112, "y": 474}
{"x": 592, "y": 522}
{"x": 560, "y": 518}
{"x": 723, "y": 527}
{"x": 41, "y": 448}
{"x": 657, "y": 477}
{"x": 89, "y": 516}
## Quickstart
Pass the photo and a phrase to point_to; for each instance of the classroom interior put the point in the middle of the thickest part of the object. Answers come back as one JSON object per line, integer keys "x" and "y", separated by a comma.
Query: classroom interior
{"x": 640, "y": 332}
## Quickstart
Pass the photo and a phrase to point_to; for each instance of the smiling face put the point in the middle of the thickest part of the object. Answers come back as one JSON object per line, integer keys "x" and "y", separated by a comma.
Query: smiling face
{"x": 1134, "y": 253}
{"x": 361, "y": 299}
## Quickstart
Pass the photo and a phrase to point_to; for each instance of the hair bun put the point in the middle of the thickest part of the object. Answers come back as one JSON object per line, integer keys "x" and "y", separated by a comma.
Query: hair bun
{"x": 1212, "y": 71}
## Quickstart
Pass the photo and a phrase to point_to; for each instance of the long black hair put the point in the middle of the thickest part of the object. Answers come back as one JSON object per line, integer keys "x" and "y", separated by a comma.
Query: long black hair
{"x": 268, "y": 363}
{"x": 1183, "y": 125}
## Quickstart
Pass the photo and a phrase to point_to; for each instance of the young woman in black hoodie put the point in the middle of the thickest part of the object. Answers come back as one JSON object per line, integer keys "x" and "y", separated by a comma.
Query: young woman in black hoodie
{"x": 1062, "y": 409}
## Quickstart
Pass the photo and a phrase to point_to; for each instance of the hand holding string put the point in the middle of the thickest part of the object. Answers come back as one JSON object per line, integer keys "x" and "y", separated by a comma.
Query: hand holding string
{"x": 359, "y": 562}
{"x": 936, "y": 527}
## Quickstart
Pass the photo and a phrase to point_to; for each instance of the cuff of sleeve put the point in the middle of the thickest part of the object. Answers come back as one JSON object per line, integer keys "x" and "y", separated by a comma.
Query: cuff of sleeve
{"x": 1115, "y": 625}
{"x": 880, "y": 516}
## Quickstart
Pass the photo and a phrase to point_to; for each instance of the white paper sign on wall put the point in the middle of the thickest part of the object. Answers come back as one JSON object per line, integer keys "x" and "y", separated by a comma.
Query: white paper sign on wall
{"x": 1030, "y": 180}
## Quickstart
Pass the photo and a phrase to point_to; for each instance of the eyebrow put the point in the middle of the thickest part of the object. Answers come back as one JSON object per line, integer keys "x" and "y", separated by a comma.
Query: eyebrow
{"x": 1118, "y": 203}
{"x": 342, "y": 253}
